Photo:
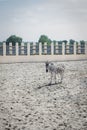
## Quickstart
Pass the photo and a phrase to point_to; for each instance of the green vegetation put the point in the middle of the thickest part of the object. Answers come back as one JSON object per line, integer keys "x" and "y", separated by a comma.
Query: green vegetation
{"x": 43, "y": 39}
{"x": 1, "y": 43}
{"x": 14, "y": 39}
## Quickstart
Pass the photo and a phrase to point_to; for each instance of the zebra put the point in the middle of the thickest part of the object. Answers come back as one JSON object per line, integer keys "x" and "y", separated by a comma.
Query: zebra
{"x": 55, "y": 70}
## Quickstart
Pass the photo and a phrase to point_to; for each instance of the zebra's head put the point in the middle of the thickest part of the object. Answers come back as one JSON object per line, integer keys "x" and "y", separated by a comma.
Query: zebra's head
{"x": 47, "y": 65}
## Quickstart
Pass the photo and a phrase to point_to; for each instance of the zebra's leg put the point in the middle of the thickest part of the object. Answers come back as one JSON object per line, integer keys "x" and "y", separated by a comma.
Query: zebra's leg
{"x": 51, "y": 75}
{"x": 61, "y": 77}
{"x": 58, "y": 77}
{"x": 55, "y": 78}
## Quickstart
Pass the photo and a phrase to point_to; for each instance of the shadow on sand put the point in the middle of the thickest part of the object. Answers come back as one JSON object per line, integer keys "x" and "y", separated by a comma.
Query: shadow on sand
{"x": 47, "y": 85}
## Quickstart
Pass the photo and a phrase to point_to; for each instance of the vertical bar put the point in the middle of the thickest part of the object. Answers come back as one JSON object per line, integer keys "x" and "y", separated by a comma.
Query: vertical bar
{"x": 40, "y": 48}
{"x": 17, "y": 49}
{"x": 79, "y": 48}
{"x": 4, "y": 49}
{"x": 57, "y": 51}
{"x": 63, "y": 48}
{"x": 52, "y": 48}
{"x": 67, "y": 48}
{"x": 10, "y": 48}
{"x": 86, "y": 47}
{"x": 45, "y": 48}
{"x": 74, "y": 48}
{"x": 34, "y": 48}
{"x": 28, "y": 49}
{"x": 22, "y": 48}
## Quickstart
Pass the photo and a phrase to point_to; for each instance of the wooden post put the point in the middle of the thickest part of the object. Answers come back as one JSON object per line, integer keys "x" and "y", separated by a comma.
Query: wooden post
{"x": 17, "y": 49}
{"x": 40, "y": 48}
{"x": 28, "y": 49}
{"x": 52, "y": 48}
{"x": 10, "y": 48}
{"x": 4, "y": 49}
{"x": 63, "y": 48}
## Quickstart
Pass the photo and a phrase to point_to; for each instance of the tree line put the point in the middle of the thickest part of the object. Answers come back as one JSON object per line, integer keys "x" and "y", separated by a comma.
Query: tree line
{"x": 43, "y": 38}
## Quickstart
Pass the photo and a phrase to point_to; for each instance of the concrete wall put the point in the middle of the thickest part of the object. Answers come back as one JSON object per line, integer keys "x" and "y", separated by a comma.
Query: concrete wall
{"x": 43, "y": 56}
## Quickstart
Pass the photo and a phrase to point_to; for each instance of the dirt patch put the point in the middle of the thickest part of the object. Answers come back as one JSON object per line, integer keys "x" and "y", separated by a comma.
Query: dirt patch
{"x": 28, "y": 102}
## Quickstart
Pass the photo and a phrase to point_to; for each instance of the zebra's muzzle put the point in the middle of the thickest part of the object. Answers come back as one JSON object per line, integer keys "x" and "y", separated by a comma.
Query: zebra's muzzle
{"x": 46, "y": 70}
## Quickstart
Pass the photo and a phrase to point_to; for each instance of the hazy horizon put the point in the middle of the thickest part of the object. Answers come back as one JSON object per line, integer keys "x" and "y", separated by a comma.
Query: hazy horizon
{"x": 29, "y": 19}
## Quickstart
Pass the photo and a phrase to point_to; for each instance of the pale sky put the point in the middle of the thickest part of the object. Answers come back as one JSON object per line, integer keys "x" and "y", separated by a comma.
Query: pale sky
{"x": 29, "y": 19}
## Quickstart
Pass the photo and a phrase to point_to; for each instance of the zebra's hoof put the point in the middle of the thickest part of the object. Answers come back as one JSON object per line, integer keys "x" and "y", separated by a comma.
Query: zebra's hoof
{"x": 60, "y": 82}
{"x": 50, "y": 84}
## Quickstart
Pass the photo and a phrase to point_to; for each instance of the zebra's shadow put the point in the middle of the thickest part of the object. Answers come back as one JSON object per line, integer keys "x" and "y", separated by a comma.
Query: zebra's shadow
{"x": 48, "y": 85}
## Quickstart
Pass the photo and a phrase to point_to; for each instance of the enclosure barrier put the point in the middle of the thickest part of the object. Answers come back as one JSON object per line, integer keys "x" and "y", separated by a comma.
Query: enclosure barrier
{"x": 41, "y": 52}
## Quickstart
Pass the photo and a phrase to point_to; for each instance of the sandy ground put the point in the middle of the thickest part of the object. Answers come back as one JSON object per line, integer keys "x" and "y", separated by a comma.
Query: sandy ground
{"x": 27, "y": 102}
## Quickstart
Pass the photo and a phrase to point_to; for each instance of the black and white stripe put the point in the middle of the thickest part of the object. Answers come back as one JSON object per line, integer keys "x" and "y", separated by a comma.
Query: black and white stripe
{"x": 55, "y": 70}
